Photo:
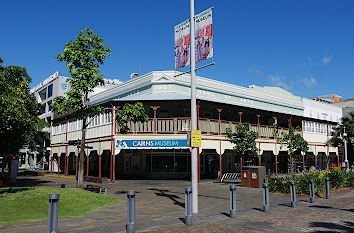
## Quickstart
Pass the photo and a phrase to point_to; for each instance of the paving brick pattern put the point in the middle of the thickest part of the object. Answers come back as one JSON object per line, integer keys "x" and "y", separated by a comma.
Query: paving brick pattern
{"x": 160, "y": 208}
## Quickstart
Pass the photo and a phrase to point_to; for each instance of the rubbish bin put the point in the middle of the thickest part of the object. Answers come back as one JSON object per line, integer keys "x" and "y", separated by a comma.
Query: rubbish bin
{"x": 253, "y": 176}
{"x": 245, "y": 173}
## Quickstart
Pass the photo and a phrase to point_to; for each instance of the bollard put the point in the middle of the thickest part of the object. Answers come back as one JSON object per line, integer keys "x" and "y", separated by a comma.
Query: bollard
{"x": 328, "y": 188}
{"x": 232, "y": 201}
{"x": 188, "y": 207}
{"x": 312, "y": 191}
{"x": 53, "y": 212}
{"x": 131, "y": 211}
{"x": 292, "y": 194}
{"x": 265, "y": 198}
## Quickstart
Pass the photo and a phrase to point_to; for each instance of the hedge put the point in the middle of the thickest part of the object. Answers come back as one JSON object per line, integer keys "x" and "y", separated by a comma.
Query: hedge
{"x": 338, "y": 178}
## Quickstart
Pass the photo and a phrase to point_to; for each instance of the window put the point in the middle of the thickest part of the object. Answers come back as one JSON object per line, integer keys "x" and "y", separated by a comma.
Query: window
{"x": 50, "y": 90}
{"x": 42, "y": 109}
{"x": 49, "y": 105}
{"x": 163, "y": 163}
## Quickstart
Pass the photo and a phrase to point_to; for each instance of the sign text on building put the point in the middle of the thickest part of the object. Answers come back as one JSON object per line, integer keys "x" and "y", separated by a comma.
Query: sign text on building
{"x": 151, "y": 143}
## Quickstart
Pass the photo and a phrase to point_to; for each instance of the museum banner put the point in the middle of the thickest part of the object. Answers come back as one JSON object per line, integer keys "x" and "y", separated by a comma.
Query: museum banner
{"x": 203, "y": 39}
{"x": 182, "y": 44}
{"x": 204, "y": 35}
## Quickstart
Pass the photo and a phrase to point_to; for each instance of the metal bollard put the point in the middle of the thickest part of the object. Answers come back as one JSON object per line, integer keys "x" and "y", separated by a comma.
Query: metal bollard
{"x": 53, "y": 212}
{"x": 328, "y": 188}
{"x": 293, "y": 194}
{"x": 312, "y": 191}
{"x": 188, "y": 207}
{"x": 265, "y": 198}
{"x": 131, "y": 211}
{"x": 232, "y": 201}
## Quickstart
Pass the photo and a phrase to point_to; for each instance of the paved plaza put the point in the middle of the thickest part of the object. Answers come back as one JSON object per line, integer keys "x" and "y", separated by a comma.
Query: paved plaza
{"x": 160, "y": 208}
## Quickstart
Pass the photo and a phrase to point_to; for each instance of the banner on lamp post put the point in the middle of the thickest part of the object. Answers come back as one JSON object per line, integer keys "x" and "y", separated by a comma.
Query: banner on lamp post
{"x": 182, "y": 44}
{"x": 203, "y": 39}
{"x": 204, "y": 35}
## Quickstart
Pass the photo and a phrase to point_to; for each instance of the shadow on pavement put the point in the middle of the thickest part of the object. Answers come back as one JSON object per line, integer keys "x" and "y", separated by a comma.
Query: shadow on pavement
{"x": 330, "y": 208}
{"x": 124, "y": 192}
{"x": 333, "y": 227}
{"x": 226, "y": 214}
{"x": 286, "y": 204}
{"x": 259, "y": 209}
{"x": 164, "y": 193}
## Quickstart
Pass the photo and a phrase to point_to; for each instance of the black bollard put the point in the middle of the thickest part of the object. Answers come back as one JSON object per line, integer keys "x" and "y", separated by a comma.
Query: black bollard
{"x": 188, "y": 207}
{"x": 53, "y": 212}
{"x": 328, "y": 188}
{"x": 265, "y": 198}
{"x": 293, "y": 194}
{"x": 312, "y": 191}
{"x": 131, "y": 211}
{"x": 232, "y": 201}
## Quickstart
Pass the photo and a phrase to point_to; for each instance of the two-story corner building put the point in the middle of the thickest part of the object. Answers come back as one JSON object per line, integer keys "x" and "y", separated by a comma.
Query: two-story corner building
{"x": 157, "y": 149}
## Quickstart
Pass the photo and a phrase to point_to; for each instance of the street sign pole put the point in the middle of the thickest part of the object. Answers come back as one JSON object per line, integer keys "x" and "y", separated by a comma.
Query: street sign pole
{"x": 194, "y": 151}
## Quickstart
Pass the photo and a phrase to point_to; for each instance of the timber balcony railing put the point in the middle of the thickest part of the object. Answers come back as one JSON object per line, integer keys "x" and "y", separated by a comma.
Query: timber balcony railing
{"x": 207, "y": 126}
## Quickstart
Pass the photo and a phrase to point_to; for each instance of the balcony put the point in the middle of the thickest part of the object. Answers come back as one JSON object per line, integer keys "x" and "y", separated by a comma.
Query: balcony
{"x": 207, "y": 126}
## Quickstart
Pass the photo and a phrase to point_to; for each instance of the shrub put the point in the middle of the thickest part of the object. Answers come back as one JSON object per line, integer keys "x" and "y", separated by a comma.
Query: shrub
{"x": 279, "y": 184}
{"x": 350, "y": 179}
{"x": 338, "y": 178}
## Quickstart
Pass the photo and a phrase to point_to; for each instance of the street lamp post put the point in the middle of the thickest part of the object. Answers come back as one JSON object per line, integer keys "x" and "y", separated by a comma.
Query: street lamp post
{"x": 193, "y": 114}
{"x": 345, "y": 150}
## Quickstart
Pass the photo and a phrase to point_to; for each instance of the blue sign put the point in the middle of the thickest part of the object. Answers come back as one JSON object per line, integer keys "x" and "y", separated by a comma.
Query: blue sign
{"x": 151, "y": 143}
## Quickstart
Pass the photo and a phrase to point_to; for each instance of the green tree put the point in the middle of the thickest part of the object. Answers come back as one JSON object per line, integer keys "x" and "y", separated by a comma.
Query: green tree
{"x": 84, "y": 56}
{"x": 244, "y": 140}
{"x": 294, "y": 142}
{"x": 19, "y": 111}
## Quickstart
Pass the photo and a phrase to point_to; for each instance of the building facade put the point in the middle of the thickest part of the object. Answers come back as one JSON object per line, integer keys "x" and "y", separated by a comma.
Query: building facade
{"x": 157, "y": 149}
{"x": 45, "y": 92}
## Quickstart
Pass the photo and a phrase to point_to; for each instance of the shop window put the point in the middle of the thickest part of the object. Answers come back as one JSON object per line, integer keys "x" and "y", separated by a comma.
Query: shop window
{"x": 181, "y": 163}
{"x": 163, "y": 163}
{"x": 148, "y": 163}
{"x": 135, "y": 163}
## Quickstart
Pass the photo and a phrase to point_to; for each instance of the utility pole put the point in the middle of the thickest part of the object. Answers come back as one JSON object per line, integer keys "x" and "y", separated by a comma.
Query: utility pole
{"x": 194, "y": 150}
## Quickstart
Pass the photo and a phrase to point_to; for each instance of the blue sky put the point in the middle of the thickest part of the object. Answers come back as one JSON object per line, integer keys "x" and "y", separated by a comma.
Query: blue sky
{"x": 306, "y": 47}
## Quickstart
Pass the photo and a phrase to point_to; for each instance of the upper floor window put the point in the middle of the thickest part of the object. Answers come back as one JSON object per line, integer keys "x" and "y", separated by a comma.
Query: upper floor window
{"x": 50, "y": 90}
